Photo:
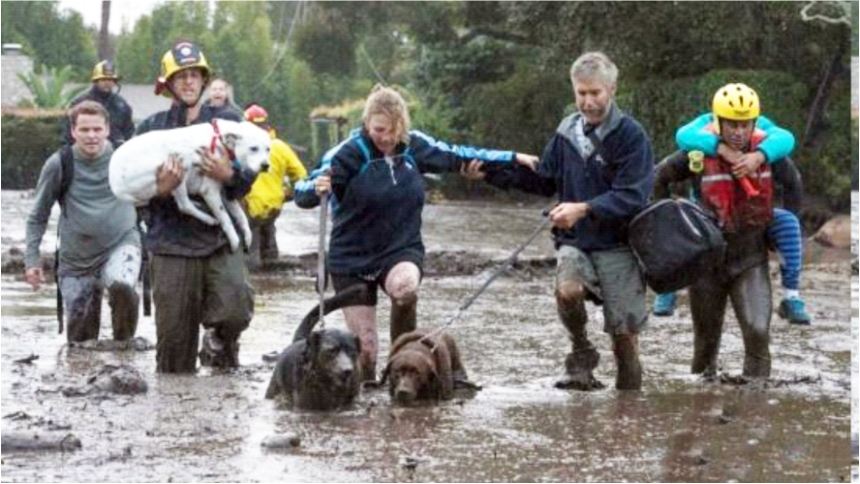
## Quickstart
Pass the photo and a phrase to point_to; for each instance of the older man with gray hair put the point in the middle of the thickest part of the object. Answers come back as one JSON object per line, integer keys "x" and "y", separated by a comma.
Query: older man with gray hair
{"x": 600, "y": 164}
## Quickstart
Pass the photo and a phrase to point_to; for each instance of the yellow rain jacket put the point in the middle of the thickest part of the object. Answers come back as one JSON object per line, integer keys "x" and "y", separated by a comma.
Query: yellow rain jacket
{"x": 267, "y": 194}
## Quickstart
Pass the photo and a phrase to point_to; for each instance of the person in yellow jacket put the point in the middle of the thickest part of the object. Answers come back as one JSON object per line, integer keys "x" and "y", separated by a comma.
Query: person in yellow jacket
{"x": 269, "y": 192}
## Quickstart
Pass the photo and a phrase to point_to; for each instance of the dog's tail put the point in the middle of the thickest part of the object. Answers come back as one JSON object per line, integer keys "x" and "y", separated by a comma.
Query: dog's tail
{"x": 351, "y": 296}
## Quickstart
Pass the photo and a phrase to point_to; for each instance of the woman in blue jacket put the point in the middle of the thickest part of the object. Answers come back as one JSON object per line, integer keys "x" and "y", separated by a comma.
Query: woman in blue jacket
{"x": 375, "y": 177}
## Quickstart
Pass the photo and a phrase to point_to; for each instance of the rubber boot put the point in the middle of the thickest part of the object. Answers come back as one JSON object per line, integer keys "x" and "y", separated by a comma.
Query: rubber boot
{"x": 368, "y": 375}
{"x": 626, "y": 350}
{"x": 404, "y": 314}
{"x": 583, "y": 358}
{"x": 123, "y": 301}
{"x": 218, "y": 351}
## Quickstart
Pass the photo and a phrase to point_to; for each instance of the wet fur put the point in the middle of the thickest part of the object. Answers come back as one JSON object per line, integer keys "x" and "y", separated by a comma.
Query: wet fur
{"x": 134, "y": 165}
{"x": 319, "y": 370}
{"x": 422, "y": 367}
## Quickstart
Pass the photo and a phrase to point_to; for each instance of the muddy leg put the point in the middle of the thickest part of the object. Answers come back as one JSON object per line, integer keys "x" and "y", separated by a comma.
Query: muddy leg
{"x": 123, "y": 302}
{"x": 583, "y": 358}
{"x": 401, "y": 285}
{"x": 228, "y": 304}
{"x": 361, "y": 320}
{"x": 177, "y": 291}
{"x": 82, "y": 301}
{"x": 708, "y": 309}
{"x": 752, "y": 301}
{"x": 626, "y": 350}
{"x": 120, "y": 277}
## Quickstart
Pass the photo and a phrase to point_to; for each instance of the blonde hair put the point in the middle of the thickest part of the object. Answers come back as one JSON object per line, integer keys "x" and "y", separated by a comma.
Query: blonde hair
{"x": 386, "y": 101}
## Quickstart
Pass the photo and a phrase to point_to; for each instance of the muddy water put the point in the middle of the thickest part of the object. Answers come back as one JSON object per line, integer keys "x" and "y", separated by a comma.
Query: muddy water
{"x": 210, "y": 426}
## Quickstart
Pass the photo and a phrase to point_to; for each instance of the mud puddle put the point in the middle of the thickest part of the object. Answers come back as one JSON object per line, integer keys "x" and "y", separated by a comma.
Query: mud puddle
{"x": 210, "y": 426}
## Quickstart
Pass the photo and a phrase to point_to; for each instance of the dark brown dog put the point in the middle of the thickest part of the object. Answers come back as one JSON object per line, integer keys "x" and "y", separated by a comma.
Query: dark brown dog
{"x": 424, "y": 365}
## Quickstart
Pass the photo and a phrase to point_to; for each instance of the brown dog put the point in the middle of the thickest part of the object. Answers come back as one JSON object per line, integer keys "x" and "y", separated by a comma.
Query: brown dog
{"x": 424, "y": 365}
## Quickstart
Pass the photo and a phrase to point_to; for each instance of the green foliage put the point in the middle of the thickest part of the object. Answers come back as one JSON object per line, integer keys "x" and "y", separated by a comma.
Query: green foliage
{"x": 326, "y": 44}
{"x": 55, "y": 39}
{"x": 26, "y": 143}
{"x": 533, "y": 103}
{"x": 827, "y": 167}
{"x": 49, "y": 89}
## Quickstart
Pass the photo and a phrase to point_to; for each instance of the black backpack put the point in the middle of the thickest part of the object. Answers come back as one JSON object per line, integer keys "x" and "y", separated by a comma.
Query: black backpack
{"x": 676, "y": 242}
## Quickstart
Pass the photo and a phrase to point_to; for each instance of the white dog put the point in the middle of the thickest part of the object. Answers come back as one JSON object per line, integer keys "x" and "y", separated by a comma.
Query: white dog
{"x": 133, "y": 168}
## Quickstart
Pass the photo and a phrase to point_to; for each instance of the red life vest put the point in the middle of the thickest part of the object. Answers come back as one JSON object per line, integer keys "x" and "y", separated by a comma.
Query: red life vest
{"x": 722, "y": 192}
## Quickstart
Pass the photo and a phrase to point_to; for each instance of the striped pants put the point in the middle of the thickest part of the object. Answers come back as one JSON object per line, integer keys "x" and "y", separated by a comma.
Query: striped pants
{"x": 784, "y": 232}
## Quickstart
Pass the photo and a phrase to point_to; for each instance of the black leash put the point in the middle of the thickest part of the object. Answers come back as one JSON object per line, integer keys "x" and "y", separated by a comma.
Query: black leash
{"x": 509, "y": 262}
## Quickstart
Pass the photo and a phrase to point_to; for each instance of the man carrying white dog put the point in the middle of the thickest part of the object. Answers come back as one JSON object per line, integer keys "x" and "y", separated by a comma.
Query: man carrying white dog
{"x": 196, "y": 278}
{"x": 100, "y": 246}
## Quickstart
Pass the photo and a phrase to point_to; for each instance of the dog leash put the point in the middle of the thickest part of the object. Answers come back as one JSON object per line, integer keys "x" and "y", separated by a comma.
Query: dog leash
{"x": 502, "y": 268}
{"x": 321, "y": 257}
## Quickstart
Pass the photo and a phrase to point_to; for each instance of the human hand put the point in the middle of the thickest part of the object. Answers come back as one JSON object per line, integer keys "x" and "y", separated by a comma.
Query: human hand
{"x": 747, "y": 164}
{"x": 472, "y": 170}
{"x": 566, "y": 215}
{"x": 530, "y": 161}
{"x": 728, "y": 153}
{"x": 33, "y": 276}
{"x": 169, "y": 175}
{"x": 215, "y": 165}
{"x": 322, "y": 184}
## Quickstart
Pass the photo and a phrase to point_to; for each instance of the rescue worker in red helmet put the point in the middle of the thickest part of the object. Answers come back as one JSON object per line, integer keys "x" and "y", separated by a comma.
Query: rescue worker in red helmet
{"x": 270, "y": 191}
{"x": 196, "y": 278}
{"x": 743, "y": 278}
{"x": 105, "y": 91}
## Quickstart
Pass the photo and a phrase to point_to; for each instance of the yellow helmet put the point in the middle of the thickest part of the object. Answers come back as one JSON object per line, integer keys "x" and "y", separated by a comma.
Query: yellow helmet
{"x": 737, "y": 102}
{"x": 104, "y": 70}
{"x": 184, "y": 55}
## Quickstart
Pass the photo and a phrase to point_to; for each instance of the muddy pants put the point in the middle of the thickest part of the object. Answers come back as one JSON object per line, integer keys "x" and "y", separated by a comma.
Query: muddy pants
{"x": 213, "y": 291}
{"x": 82, "y": 297}
{"x": 750, "y": 294}
{"x": 264, "y": 244}
{"x": 610, "y": 276}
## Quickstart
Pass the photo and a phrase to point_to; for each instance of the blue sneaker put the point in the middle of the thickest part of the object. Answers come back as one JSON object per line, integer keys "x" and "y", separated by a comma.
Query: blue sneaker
{"x": 794, "y": 310}
{"x": 664, "y": 304}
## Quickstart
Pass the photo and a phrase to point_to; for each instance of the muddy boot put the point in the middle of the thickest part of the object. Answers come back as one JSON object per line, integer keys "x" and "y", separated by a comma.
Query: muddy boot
{"x": 123, "y": 303}
{"x": 578, "y": 367}
{"x": 626, "y": 350}
{"x": 582, "y": 360}
{"x": 217, "y": 351}
{"x": 403, "y": 317}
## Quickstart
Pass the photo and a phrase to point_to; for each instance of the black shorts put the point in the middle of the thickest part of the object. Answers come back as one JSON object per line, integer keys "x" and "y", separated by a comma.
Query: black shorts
{"x": 373, "y": 281}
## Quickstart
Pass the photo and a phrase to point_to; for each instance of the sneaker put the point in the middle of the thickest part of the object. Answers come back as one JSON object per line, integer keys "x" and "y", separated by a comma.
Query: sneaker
{"x": 794, "y": 310}
{"x": 664, "y": 304}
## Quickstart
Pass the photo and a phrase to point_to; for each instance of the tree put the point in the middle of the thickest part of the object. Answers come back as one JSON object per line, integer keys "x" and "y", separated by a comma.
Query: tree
{"x": 52, "y": 38}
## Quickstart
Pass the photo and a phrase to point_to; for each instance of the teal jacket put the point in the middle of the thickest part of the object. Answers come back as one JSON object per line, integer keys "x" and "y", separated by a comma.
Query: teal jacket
{"x": 778, "y": 143}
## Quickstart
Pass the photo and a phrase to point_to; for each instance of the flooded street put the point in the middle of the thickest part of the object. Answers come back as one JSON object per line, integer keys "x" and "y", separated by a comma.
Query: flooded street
{"x": 210, "y": 426}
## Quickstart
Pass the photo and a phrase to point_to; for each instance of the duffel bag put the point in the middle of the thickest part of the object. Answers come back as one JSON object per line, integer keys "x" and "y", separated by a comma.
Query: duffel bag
{"x": 675, "y": 242}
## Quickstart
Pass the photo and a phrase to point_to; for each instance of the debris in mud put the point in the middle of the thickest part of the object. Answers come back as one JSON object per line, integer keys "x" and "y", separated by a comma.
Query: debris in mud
{"x": 411, "y": 462}
{"x": 39, "y": 442}
{"x": 138, "y": 343}
{"x": 27, "y": 360}
{"x": 122, "y": 380}
{"x": 286, "y": 441}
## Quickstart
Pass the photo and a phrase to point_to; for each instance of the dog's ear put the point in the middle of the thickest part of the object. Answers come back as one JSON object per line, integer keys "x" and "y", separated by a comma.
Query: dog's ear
{"x": 230, "y": 140}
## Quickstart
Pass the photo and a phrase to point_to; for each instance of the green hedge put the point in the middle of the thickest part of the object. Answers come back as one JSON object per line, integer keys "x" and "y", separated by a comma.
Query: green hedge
{"x": 27, "y": 141}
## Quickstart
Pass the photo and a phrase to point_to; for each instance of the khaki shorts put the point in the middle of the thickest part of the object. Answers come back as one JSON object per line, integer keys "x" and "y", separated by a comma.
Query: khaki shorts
{"x": 611, "y": 277}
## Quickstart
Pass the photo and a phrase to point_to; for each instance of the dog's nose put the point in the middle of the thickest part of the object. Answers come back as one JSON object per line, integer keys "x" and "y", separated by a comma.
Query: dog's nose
{"x": 404, "y": 396}
{"x": 264, "y": 167}
{"x": 346, "y": 374}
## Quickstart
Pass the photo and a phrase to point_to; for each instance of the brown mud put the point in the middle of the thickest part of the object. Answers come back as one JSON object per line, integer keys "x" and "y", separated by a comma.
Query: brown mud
{"x": 216, "y": 426}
